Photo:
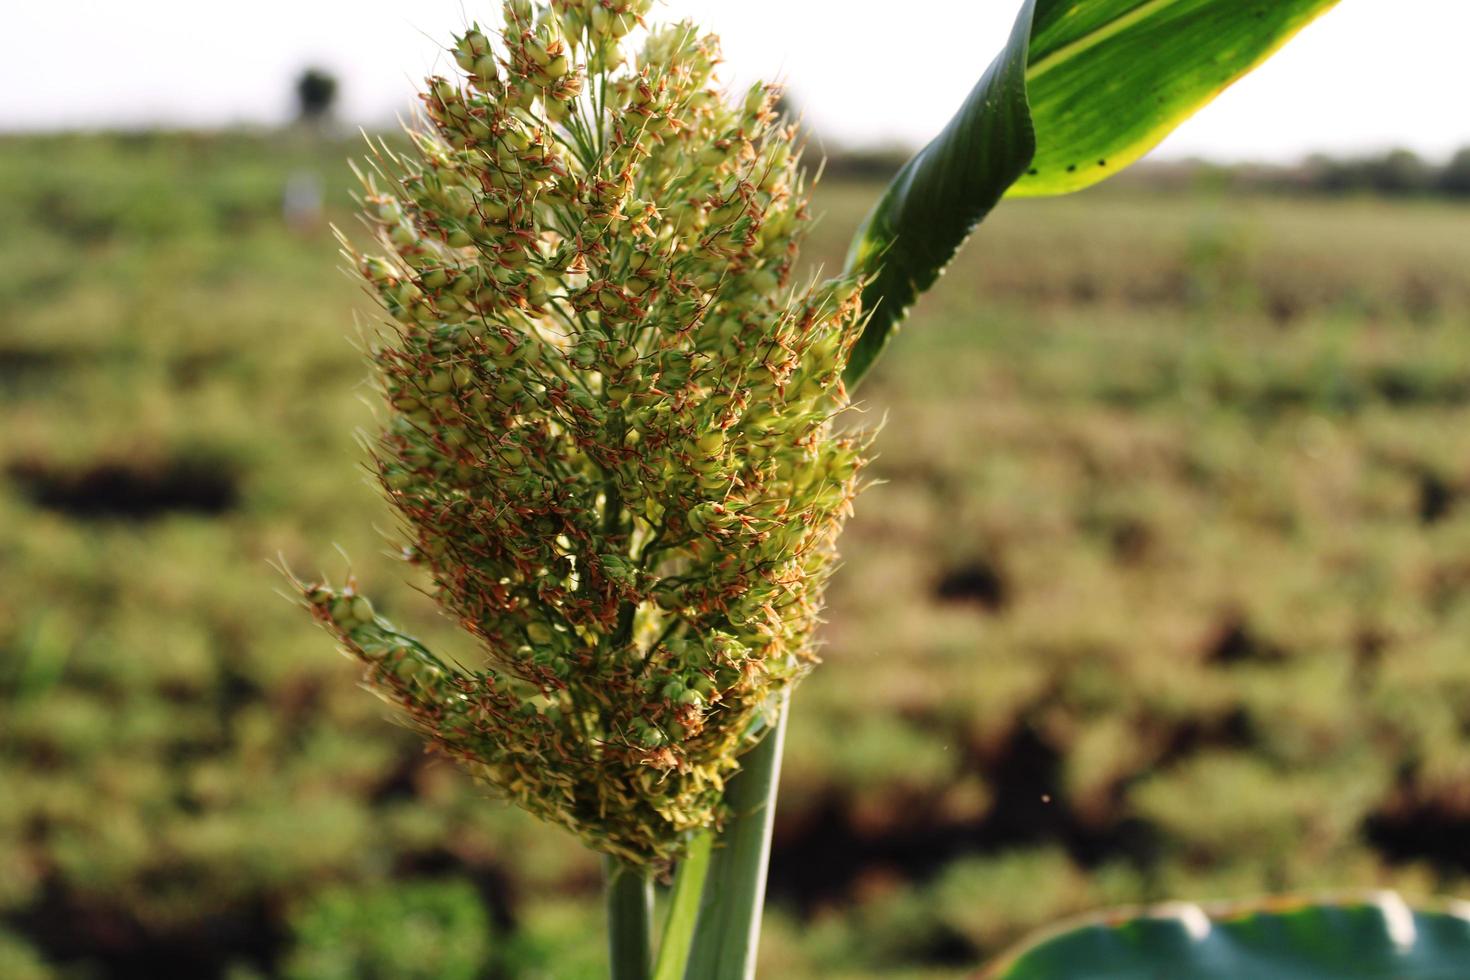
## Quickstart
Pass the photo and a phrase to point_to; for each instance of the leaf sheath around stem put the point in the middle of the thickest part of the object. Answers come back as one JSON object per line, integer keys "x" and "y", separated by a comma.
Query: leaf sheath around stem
{"x": 728, "y": 932}
{"x": 629, "y": 920}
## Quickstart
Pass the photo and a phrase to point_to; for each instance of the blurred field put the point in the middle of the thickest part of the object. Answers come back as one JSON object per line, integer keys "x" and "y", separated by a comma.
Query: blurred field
{"x": 1166, "y": 594}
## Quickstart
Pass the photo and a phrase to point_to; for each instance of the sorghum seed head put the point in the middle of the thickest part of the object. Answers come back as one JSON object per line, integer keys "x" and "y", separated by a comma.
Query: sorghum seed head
{"x": 611, "y": 419}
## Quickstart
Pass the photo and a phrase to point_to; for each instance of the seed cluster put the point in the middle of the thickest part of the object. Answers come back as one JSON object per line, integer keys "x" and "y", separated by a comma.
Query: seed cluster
{"x": 610, "y": 429}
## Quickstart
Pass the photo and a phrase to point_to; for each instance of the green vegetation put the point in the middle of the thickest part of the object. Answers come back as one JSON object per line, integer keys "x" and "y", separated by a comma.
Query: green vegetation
{"x": 403, "y": 931}
{"x": 1164, "y": 594}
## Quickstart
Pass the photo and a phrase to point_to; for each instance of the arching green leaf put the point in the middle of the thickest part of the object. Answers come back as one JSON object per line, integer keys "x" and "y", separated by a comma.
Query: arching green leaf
{"x": 1082, "y": 89}
{"x": 1378, "y": 937}
{"x": 941, "y": 194}
{"x": 1108, "y": 79}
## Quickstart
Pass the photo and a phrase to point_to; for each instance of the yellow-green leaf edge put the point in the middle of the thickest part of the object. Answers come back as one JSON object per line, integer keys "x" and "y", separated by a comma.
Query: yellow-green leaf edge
{"x": 1095, "y": 110}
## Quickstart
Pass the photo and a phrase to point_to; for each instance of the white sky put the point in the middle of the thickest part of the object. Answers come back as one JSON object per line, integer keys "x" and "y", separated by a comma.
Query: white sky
{"x": 1370, "y": 74}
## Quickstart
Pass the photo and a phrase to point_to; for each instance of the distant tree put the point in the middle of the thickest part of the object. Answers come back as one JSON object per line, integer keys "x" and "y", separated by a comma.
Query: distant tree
{"x": 1399, "y": 172}
{"x": 316, "y": 93}
{"x": 1454, "y": 179}
{"x": 1333, "y": 175}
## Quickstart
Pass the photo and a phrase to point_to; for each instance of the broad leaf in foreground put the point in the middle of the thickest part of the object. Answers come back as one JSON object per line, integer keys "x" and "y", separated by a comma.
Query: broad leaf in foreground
{"x": 1082, "y": 89}
{"x": 1377, "y": 936}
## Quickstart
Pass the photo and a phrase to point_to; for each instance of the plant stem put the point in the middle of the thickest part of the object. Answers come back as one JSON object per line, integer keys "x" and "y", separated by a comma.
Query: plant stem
{"x": 629, "y": 919}
{"x": 728, "y": 933}
{"x": 683, "y": 914}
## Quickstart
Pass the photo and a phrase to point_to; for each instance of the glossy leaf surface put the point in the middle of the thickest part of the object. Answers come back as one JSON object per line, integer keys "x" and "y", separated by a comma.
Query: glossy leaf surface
{"x": 1378, "y": 936}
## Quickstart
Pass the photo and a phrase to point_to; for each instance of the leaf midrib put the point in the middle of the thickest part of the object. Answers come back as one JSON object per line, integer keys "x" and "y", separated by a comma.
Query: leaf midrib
{"x": 1095, "y": 37}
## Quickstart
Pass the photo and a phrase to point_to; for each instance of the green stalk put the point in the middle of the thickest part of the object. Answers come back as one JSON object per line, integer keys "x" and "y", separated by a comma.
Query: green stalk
{"x": 629, "y": 919}
{"x": 729, "y": 928}
{"x": 678, "y": 934}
